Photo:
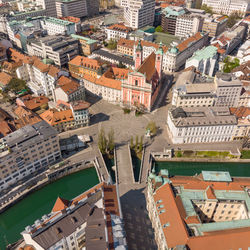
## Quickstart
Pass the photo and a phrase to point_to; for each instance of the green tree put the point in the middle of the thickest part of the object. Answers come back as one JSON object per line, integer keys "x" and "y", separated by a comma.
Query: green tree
{"x": 141, "y": 144}
{"x": 131, "y": 142}
{"x": 16, "y": 85}
{"x": 111, "y": 143}
{"x": 159, "y": 29}
{"x": 233, "y": 18}
{"x": 152, "y": 127}
{"x": 112, "y": 45}
{"x": 102, "y": 141}
{"x": 207, "y": 9}
{"x": 136, "y": 142}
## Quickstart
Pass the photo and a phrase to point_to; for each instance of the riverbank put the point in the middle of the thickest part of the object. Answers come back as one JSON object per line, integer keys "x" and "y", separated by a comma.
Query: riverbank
{"x": 45, "y": 182}
{"x": 187, "y": 159}
{"x": 41, "y": 201}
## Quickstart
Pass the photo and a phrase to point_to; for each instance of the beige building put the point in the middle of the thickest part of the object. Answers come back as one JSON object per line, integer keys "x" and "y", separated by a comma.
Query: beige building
{"x": 214, "y": 25}
{"x": 243, "y": 127}
{"x": 26, "y": 151}
{"x": 195, "y": 212}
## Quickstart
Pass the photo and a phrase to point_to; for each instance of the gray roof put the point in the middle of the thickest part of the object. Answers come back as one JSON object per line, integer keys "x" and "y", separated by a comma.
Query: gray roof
{"x": 29, "y": 134}
{"x": 202, "y": 116}
{"x": 123, "y": 59}
{"x": 95, "y": 230}
{"x": 63, "y": 228}
{"x": 227, "y": 79}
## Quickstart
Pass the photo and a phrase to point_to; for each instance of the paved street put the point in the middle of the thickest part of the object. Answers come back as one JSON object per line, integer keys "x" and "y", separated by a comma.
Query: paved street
{"x": 124, "y": 164}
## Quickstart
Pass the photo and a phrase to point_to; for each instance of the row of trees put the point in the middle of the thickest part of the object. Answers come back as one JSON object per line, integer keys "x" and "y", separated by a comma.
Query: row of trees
{"x": 138, "y": 145}
{"x": 106, "y": 144}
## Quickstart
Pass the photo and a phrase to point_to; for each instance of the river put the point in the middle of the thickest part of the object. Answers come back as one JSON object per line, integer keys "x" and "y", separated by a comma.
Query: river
{"x": 14, "y": 220}
{"x": 191, "y": 168}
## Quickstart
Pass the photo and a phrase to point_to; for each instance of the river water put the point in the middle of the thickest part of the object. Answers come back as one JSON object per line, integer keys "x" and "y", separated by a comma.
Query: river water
{"x": 25, "y": 212}
{"x": 191, "y": 168}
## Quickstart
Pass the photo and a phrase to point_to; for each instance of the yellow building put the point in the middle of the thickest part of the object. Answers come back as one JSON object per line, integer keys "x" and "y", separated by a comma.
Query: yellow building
{"x": 81, "y": 65}
{"x": 87, "y": 45}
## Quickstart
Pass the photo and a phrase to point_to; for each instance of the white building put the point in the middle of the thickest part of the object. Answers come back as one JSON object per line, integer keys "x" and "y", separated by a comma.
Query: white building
{"x": 75, "y": 8}
{"x": 49, "y": 6}
{"x": 139, "y": 13}
{"x": 200, "y": 125}
{"x": 93, "y": 221}
{"x": 60, "y": 49}
{"x": 177, "y": 54}
{"x": 56, "y": 26}
{"x": 188, "y": 24}
{"x": 244, "y": 52}
{"x": 193, "y": 90}
{"x": 227, "y": 7}
{"x": 80, "y": 110}
{"x": 228, "y": 90}
{"x": 27, "y": 150}
{"x": 204, "y": 60}
{"x": 117, "y": 31}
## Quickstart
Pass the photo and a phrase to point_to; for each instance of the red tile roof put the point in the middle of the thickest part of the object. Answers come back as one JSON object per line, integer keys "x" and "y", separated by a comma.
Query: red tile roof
{"x": 186, "y": 43}
{"x": 33, "y": 102}
{"x": 54, "y": 117}
{"x": 60, "y": 204}
{"x": 5, "y": 78}
{"x": 85, "y": 62}
{"x": 70, "y": 87}
{"x": 80, "y": 105}
{"x": 148, "y": 67}
{"x": 241, "y": 112}
{"x": 120, "y": 27}
{"x": 71, "y": 19}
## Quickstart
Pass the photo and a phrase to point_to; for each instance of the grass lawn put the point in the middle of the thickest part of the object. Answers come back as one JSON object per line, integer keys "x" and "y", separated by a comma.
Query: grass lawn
{"x": 204, "y": 154}
{"x": 245, "y": 154}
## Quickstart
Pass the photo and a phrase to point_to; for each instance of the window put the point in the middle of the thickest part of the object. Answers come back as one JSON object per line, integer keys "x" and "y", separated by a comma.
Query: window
{"x": 222, "y": 212}
{"x": 136, "y": 82}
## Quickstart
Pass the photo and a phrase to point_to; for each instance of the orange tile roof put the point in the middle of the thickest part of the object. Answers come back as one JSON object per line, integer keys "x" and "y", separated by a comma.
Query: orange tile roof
{"x": 41, "y": 66}
{"x": 240, "y": 112}
{"x": 184, "y": 45}
{"x": 53, "y": 71}
{"x": 5, "y": 128}
{"x": 117, "y": 73}
{"x": 230, "y": 239}
{"x": 70, "y": 87}
{"x": 104, "y": 81}
{"x": 150, "y": 44}
{"x": 5, "y": 78}
{"x": 17, "y": 56}
{"x": 174, "y": 216}
{"x": 60, "y": 204}
{"x": 11, "y": 66}
{"x": 54, "y": 117}
{"x": 33, "y": 102}
{"x": 171, "y": 216}
{"x": 63, "y": 80}
{"x": 71, "y": 19}
{"x": 148, "y": 67}
{"x": 79, "y": 105}
{"x": 120, "y": 27}
{"x": 85, "y": 62}
{"x": 126, "y": 43}
{"x": 26, "y": 117}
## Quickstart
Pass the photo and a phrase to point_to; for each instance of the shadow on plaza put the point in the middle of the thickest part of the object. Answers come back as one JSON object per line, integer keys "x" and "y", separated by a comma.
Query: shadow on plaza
{"x": 99, "y": 117}
{"x": 140, "y": 234}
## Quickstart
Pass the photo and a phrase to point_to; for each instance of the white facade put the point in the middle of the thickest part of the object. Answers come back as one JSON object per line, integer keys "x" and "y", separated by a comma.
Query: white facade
{"x": 205, "y": 127}
{"x": 139, "y": 13}
{"x": 174, "y": 58}
{"x": 111, "y": 95}
{"x": 187, "y": 25}
{"x": 75, "y": 8}
{"x": 227, "y": 7}
{"x": 228, "y": 90}
{"x": 29, "y": 154}
{"x": 56, "y": 26}
{"x": 115, "y": 34}
{"x": 204, "y": 60}
{"x": 244, "y": 52}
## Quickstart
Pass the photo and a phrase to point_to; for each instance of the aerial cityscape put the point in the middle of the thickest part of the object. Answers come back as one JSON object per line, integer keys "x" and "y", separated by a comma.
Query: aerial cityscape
{"x": 125, "y": 124}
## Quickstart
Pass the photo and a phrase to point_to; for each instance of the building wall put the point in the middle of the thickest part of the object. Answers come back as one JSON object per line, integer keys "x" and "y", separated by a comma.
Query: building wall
{"x": 199, "y": 134}
{"x": 23, "y": 161}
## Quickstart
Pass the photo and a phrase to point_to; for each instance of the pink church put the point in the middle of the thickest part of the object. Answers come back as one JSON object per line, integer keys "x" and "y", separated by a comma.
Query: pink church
{"x": 143, "y": 84}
